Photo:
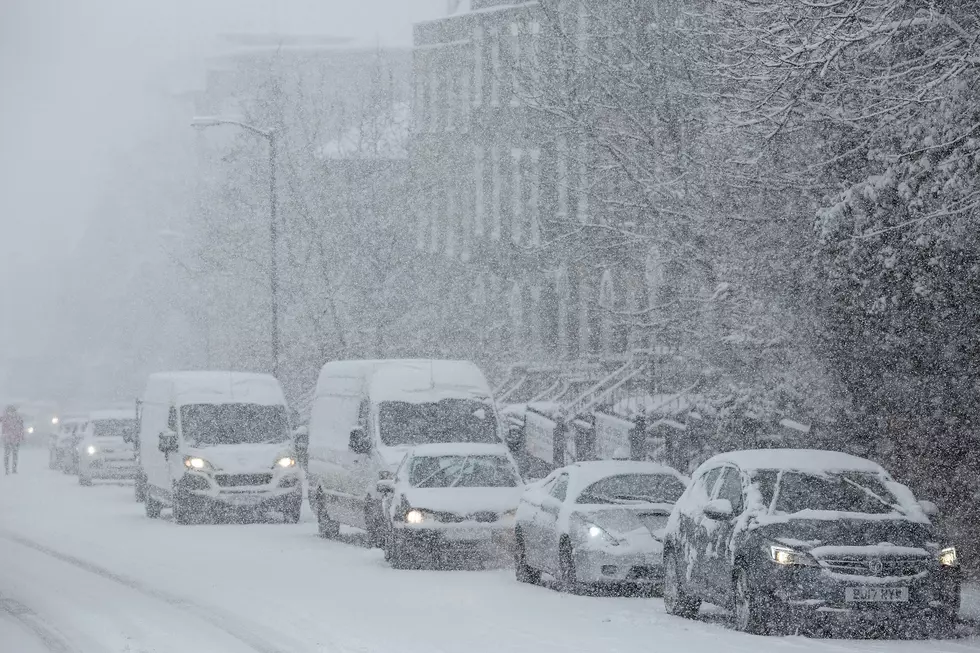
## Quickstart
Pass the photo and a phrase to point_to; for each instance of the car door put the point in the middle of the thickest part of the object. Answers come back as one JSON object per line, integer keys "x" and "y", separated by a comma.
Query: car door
{"x": 549, "y": 524}
{"x": 694, "y": 538}
{"x": 529, "y": 519}
{"x": 719, "y": 564}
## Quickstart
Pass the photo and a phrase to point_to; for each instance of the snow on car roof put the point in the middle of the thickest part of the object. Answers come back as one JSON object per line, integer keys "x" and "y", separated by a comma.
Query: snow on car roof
{"x": 427, "y": 381}
{"x": 583, "y": 474}
{"x": 460, "y": 449}
{"x": 804, "y": 460}
{"x": 222, "y": 387}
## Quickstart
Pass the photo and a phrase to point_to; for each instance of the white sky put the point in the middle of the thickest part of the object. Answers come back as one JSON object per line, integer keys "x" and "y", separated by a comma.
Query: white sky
{"x": 78, "y": 83}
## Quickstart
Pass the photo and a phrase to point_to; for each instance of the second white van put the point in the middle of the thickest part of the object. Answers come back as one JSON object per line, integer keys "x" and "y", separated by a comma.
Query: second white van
{"x": 367, "y": 415}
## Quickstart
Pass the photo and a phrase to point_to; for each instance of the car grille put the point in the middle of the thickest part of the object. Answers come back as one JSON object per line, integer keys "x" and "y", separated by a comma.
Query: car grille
{"x": 485, "y": 517}
{"x": 239, "y": 480}
{"x": 453, "y": 518}
{"x": 867, "y": 566}
{"x": 643, "y": 573}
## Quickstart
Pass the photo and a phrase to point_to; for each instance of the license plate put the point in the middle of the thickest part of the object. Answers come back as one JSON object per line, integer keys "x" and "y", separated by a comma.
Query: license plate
{"x": 467, "y": 534}
{"x": 876, "y": 594}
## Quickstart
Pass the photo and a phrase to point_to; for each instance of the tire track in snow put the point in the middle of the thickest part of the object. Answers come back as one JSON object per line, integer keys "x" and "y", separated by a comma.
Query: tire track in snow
{"x": 217, "y": 618}
{"x": 50, "y": 638}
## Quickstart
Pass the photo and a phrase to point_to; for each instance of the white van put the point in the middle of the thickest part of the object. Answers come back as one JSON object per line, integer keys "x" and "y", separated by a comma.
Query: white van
{"x": 217, "y": 441}
{"x": 106, "y": 447}
{"x": 365, "y": 417}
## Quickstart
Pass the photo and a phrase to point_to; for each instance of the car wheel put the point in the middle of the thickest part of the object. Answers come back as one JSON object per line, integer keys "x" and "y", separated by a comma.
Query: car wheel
{"x": 139, "y": 485}
{"x": 676, "y": 599}
{"x": 748, "y": 612}
{"x": 152, "y": 507}
{"x": 399, "y": 554}
{"x": 376, "y": 537}
{"x": 940, "y": 625}
{"x": 327, "y": 527}
{"x": 567, "y": 574}
{"x": 84, "y": 481}
{"x": 292, "y": 509}
{"x": 523, "y": 572}
{"x": 183, "y": 509}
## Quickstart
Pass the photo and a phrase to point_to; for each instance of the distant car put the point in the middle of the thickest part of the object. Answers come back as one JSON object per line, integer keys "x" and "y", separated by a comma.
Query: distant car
{"x": 454, "y": 499}
{"x": 63, "y": 451}
{"x": 106, "y": 447}
{"x": 597, "y": 523}
{"x": 786, "y": 536}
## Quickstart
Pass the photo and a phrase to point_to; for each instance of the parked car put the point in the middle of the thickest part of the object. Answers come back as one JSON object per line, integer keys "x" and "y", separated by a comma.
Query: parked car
{"x": 366, "y": 415}
{"x": 217, "y": 442}
{"x": 456, "y": 499}
{"x": 106, "y": 448}
{"x": 63, "y": 452}
{"x": 785, "y": 536}
{"x": 597, "y": 523}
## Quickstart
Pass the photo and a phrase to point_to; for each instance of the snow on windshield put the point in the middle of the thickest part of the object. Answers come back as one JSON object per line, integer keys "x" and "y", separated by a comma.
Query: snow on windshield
{"x": 214, "y": 424}
{"x": 633, "y": 488}
{"x": 114, "y": 428}
{"x": 448, "y": 420}
{"x": 462, "y": 471}
{"x": 852, "y": 492}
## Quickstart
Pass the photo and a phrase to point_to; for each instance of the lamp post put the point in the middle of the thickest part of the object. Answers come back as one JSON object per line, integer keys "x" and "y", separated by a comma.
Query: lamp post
{"x": 269, "y": 135}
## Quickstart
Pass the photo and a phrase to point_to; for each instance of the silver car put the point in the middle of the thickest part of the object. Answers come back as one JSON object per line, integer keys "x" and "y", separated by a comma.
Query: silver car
{"x": 597, "y": 523}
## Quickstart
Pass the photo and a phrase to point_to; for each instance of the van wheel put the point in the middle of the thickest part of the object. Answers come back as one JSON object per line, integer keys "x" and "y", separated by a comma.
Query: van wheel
{"x": 376, "y": 538}
{"x": 327, "y": 527}
{"x": 152, "y": 507}
{"x": 292, "y": 509}
{"x": 139, "y": 485}
{"x": 183, "y": 514}
{"x": 398, "y": 554}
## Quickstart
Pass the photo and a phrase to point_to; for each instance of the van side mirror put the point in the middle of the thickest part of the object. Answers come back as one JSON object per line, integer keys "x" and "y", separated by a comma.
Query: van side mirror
{"x": 930, "y": 508}
{"x": 168, "y": 442}
{"x": 719, "y": 509}
{"x": 515, "y": 438}
{"x": 359, "y": 442}
{"x": 386, "y": 486}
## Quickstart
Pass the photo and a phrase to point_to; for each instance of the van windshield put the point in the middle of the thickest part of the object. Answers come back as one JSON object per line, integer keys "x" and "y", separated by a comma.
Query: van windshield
{"x": 212, "y": 424}
{"x": 448, "y": 420}
{"x": 114, "y": 428}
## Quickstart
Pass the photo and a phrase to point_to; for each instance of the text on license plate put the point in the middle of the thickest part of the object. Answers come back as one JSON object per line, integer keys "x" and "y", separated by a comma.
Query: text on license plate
{"x": 876, "y": 594}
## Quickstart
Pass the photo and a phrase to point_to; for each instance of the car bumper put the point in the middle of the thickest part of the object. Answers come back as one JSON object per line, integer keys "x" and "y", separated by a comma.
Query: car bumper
{"x": 466, "y": 536}
{"x": 273, "y": 495}
{"x": 816, "y": 592}
{"x": 602, "y": 566}
{"x": 104, "y": 468}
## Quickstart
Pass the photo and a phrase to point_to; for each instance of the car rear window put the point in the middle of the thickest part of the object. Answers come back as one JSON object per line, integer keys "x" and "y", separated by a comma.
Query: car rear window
{"x": 632, "y": 488}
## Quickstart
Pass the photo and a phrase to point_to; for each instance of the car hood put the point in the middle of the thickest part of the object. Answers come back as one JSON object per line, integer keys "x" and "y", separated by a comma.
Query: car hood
{"x": 641, "y": 526}
{"x": 240, "y": 458}
{"x": 465, "y": 500}
{"x": 808, "y": 534}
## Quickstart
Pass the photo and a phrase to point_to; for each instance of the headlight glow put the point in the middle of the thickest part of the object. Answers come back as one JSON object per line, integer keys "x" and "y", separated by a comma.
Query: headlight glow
{"x": 91, "y": 449}
{"x": 55, "y": 420}
{"x": 414, "y": 517}
{"x": 788, "y": 557}
{"x": 948, "y": 557}
{"x": 195, "y": 463}
{"x": 286, "y": 461}
{"x": 597, "y": 532}
{"x": 30, "y": 430}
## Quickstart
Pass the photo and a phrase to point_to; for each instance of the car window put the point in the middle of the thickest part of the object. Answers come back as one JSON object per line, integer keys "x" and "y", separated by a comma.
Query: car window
{"x": 709, "y": 479}
{"x": 560, "y": 488}
{"x": 731, "y": 488}
{"x": 633, "y": 488}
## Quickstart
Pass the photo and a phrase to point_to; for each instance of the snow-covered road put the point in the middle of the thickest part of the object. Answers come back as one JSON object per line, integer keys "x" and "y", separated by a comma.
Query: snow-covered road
{"x": 82, "y": 570}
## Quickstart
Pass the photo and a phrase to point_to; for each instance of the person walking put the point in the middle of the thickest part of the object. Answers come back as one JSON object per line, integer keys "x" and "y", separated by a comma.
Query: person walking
{"x": 12, "y": 429}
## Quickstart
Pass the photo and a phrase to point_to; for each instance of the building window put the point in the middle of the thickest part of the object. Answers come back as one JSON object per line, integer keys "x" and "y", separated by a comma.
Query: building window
{"x": 534, "y": 198}
{"x": 496, "y": 183}
{"x": 434, "y": 211}
{"x": 495, "y": 67}
{"x": 583, "y": 34}
{"x": 562, "y": 178}
{"x": 452, "y": 220}
{"x": 420, "y": 108}
{"x": 464, "y": 100}
{"x": 564, "y": 292}
{"x": 517, "y": 316}
{"x": 515, "y": 39}
{"x": 434, "y": 99}
{"x": 536, "y": 325}
{"x": 478, "y": 65}
{"x": 607, "y": 304}
{"x": 423, "y": 224}
{"x": 583, "y": 182}
{"x": 517, "y": 193}
{"x": 479, "y": 186}
{"x": 450, "y": 101}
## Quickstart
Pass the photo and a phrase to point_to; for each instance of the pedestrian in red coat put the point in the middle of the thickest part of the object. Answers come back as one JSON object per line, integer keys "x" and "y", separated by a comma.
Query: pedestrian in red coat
{"x": 12, "y": 433}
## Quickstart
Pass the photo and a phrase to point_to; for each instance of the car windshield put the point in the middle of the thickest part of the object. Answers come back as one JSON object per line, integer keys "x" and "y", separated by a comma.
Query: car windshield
{"x": 462, "y": 471}
{"x": 114, "y": 428}
{"x": 634, "y": 488}
{"x": 857, "y": 492}
{"x": 212, "y": 424}
{"x": 448, "y": 420}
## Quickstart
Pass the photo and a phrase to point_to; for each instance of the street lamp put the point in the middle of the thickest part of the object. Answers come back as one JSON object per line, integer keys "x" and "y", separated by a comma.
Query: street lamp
{"x": 203, "y": 122}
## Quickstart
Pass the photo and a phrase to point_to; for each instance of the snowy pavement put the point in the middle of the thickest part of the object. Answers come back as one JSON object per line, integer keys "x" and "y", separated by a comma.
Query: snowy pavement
{"x": 83, "y": 571}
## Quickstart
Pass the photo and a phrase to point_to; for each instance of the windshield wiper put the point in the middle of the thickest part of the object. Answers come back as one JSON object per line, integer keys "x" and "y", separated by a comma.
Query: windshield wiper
{"x": 872, "y": 493}
{"x": 637, "y": 497}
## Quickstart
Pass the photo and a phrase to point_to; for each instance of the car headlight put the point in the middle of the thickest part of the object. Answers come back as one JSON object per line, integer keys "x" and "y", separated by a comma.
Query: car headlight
{"x": 30, "y": 430}
{"x": 90, "y": 450}
{"x": 285, "y": 462}
{"x": 199, "y": 464}
{"x": 55, "y": 420}
{"x": 415, "y": 516}
{"x": 788, "y": 557}
{"x": 598, "y": 533}
{"x": 948, "y": 557}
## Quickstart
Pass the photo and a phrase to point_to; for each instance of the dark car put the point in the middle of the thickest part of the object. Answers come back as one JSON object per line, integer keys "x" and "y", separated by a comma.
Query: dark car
{"x": 784, "y": 537}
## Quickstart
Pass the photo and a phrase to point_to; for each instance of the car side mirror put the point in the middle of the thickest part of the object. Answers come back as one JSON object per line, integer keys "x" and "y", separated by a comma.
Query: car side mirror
{"x": 718, "y": 510}
{"x": 515, "y": 438}
{"x": 930, "y": 508}
{"x": 168, "y": 443}
{"x": 386, "y": 486}
{"x": 359, "y": 442}
{"x": 385, "y": 475}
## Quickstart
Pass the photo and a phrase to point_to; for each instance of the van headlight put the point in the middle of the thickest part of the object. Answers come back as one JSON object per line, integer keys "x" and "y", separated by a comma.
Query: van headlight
{"x": 197, "y": 464}
{"x": 415, "y": 516}
{"x": 286, "y": 462}
{"x": 948, "y": 557}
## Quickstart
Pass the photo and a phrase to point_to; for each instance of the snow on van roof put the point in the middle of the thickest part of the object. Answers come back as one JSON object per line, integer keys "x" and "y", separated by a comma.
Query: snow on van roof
{"x": 460, "y": 449}
{"x": 805, "y": 460}
{"x": 221, "y": 387}
{"x": 112, "y": 414}
{"x": 410, "y": 380}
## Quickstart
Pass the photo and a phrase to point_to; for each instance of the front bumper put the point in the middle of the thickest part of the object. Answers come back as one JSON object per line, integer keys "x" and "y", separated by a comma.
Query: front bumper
{"x": 817, "y": 592}
{"x": 258, "y": 491}
{"x": 459, "y": 537}
{"x": 106, "y": 468}
{"x": 608, "y": 566}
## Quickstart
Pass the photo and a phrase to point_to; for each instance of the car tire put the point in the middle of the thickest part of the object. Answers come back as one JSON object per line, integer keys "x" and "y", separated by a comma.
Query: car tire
{"x": 84, "y": 481}
{"x": 376, "y": 537}
{"x": 567, "y": 574}
{"x": 183, "y": 509}
{"x": 522, "y": 571}
{"x": 749, "y": 613}
{"x": 676, "y": 599}
{"x": 940, "y": 625}
{"x": 398, "y": 554}
{"x": 152, "y": 507}
{"x": 139, "y": 488}
{"x": 292, "y": 509}
{"x": 327, "y": 528}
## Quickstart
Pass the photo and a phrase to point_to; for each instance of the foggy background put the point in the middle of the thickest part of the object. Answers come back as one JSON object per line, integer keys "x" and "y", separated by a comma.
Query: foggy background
{"x": 93, "y": 133}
